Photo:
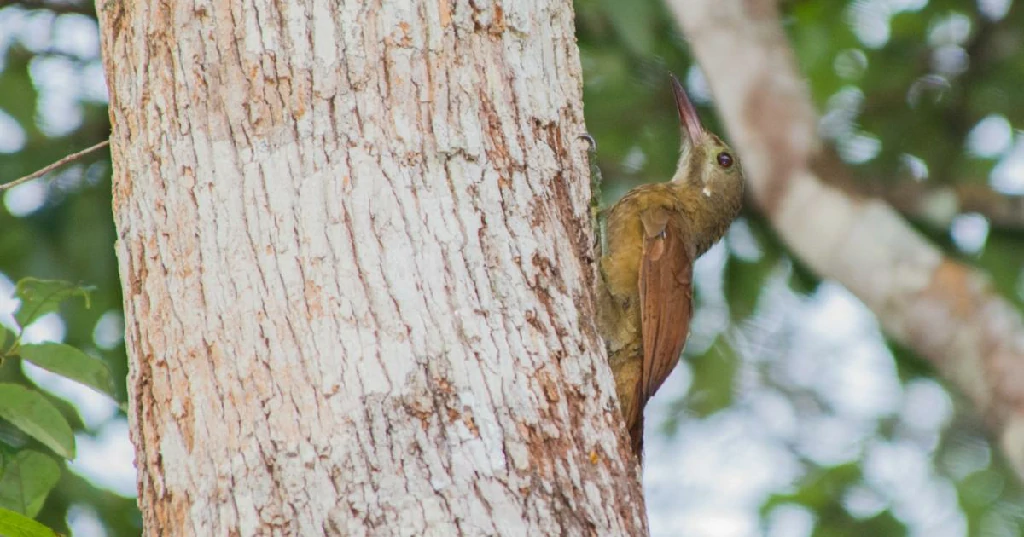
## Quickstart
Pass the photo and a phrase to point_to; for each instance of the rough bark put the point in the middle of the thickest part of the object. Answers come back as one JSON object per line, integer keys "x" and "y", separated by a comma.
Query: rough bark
{"x": 944, "y": 310}
{"x": 354, "y": 246}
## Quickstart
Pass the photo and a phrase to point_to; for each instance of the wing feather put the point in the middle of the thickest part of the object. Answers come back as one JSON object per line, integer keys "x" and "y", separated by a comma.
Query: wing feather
{"x": 666, "y": 304}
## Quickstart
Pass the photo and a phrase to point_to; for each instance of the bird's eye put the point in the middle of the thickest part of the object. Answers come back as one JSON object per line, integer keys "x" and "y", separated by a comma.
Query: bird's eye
{"x": 725, "y": 159}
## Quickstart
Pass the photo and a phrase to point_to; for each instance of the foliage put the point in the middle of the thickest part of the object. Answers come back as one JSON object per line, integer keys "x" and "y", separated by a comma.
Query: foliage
{"x": 32, "y": 427}
{"x": 58, "y": 229}
{"x": 13, "y": 524}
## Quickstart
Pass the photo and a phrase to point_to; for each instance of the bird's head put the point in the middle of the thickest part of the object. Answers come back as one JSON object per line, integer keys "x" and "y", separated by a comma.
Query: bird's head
{"x": 706, "y": 163}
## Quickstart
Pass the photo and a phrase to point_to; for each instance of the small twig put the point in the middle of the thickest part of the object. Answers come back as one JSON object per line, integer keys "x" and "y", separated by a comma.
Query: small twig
{"x": 70, "y": 158}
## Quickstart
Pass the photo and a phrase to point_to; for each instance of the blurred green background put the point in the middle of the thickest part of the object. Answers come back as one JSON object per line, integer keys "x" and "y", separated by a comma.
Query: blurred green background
{"x": 792, "y": 415}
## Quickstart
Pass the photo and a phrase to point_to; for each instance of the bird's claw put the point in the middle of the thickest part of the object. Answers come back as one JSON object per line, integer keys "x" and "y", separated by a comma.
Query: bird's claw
{"x": 590, "y": 140}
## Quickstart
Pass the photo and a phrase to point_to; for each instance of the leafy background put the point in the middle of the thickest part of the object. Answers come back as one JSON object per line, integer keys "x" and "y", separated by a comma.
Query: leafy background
{"x": 792, "y": 414}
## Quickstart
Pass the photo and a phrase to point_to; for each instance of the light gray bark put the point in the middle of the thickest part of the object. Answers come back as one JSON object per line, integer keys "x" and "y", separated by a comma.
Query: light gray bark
{"x": 354, "y": 245}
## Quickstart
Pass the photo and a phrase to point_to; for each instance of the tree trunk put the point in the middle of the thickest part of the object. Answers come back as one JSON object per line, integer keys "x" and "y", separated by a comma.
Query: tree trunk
{"x": 355, "y": 252}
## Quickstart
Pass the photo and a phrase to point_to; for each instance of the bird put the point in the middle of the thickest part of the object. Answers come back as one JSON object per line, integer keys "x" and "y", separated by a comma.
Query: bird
{"x": 651, "y": 239}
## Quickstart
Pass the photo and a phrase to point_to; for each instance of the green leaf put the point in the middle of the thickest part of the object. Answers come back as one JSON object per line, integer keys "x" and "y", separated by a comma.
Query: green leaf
{"x": 1003, "y": 258}
{"x": 29, "y": 411}
{"x": 39, "y": 297}
{"x": 20, "y": 94}
{"x": 26, "y": 478}
{"x": 714, "y": 375}
{"x": 12, "y": 436}
{"x": 14, "y": 525}
{"x": 4, "y": 333}
{"x": 69, "y": 362}
{"x": 634, "y": 23}
{"x": 802, "y": 280}
{"x": 819, "y": 490}
{"x": 743, "y": 283}
{"x": 843, "y": 525}
{"x": 909, "y": 364}
{"x": 745, "y": 279}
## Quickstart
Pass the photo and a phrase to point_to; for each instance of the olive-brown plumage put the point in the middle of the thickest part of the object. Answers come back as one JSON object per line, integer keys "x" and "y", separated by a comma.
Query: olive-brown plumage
{"x": 653, "y": 236}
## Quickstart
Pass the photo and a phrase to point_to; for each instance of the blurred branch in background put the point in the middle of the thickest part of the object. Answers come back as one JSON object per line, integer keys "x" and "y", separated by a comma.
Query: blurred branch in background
{"x": 937, "y": 205}
{"x": 58, "y": 6}
{"x": 944, "y": 310}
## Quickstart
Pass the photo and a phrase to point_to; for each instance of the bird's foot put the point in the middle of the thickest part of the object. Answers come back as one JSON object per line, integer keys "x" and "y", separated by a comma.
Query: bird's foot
{"x": 596, "y": 210}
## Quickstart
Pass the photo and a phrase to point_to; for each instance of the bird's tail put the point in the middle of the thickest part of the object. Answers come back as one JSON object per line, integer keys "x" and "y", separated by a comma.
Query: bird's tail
{"x": 636, "y": 437}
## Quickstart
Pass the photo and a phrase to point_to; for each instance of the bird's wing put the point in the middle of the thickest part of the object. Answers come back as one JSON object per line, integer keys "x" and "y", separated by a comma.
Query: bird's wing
{"x": 665, "y": 297}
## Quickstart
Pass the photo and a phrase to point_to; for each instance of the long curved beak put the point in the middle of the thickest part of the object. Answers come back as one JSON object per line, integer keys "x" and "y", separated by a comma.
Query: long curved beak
{"x": 688, "y": 119}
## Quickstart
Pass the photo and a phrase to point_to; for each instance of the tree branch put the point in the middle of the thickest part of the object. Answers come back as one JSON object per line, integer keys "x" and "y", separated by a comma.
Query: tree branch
{"x": 946, "y": 311}
{"x": 68, "y": 159}
{"x": 81, "y": 8}
{"x": 938, "y": 205}
{"x": 929, "y": 202}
